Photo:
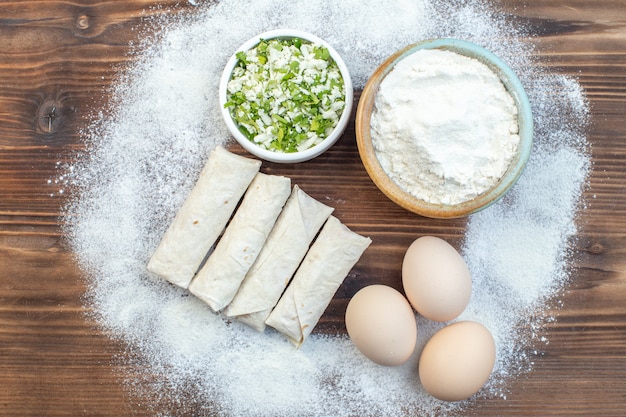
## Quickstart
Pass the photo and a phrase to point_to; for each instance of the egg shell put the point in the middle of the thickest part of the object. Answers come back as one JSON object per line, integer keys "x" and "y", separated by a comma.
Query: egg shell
{"x": 382, "y": 325}
{"x": 457, "y": 361}
{"x": 436, "y": 279}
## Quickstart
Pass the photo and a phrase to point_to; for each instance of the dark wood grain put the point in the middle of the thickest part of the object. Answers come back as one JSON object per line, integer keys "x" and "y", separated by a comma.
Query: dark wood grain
{"x": 57, "y": 59}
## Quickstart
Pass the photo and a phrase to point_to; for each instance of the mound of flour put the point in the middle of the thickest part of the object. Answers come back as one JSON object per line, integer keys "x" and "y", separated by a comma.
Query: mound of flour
{"x": 144, "y": 153}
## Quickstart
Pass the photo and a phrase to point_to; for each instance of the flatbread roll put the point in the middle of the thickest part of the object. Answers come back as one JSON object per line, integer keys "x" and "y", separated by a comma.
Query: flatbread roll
{"x": 288, "y": 242}
{"x": 203, "y": 216}
{"x": 219, "y": 279}
{"x": 329, "y": 260}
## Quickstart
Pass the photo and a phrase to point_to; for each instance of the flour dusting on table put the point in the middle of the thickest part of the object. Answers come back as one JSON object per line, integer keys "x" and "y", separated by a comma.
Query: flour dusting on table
{"x": 144, "y": 152}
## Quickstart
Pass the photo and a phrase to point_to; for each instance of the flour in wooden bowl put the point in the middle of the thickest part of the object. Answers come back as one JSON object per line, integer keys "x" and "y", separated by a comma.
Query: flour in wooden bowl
{"x": 145, "y": 152}
{"x": 444, "y": 127}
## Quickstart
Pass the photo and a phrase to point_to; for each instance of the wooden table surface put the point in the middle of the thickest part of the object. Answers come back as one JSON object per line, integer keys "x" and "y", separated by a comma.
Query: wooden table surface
{"x": 56, "y": 58}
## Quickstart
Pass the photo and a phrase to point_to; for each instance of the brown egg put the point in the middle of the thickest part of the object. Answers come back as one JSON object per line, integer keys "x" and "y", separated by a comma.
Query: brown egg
{"x": 457, "y": 361}
{"x": 382, "y": 325}
{"x": 436, "y": 279}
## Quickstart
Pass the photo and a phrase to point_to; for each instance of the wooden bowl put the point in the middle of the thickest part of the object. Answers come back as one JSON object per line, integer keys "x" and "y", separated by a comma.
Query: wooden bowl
{"x": 395, "y": 192}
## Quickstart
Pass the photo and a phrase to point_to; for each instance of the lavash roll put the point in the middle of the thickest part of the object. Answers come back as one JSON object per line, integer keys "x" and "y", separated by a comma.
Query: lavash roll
{"x": 327, "y": 263}
{"x": 203, "y": 216}
{"x": 296, "y": 227}
{"x": 219, "y": 278}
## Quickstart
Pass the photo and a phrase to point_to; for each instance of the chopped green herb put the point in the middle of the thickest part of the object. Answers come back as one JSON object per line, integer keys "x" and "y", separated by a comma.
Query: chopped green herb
{"x": 286, "y": 95}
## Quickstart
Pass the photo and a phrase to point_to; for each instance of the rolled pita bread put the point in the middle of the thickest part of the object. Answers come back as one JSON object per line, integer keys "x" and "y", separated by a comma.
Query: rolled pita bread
{"x": 329, "y": 260}
{"x": 219, "y": 279}
{"x": 288, "y": 242}
{"x": 203, "y": 216}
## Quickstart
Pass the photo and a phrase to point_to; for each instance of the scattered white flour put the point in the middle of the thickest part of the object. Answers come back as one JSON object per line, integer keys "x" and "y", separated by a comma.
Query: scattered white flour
{"x": 143, "y": 153}
{"x": 453, "y": 118}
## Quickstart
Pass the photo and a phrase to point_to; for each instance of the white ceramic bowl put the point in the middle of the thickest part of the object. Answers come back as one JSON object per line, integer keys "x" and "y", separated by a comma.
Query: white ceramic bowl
{"x": 399, "y": 195}
{"x": 284, "y": 157}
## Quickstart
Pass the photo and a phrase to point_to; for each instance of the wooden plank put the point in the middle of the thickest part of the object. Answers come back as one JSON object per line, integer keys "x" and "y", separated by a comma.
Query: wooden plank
{"x": 61, "y": 55}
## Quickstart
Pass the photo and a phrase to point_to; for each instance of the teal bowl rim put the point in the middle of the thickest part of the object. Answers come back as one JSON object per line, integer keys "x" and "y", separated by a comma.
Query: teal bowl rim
{"x": 525, "y": 121}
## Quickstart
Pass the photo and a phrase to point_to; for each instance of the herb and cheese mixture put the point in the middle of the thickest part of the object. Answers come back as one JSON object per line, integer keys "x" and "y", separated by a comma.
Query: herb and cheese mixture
{"x": 286, "y": 95}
